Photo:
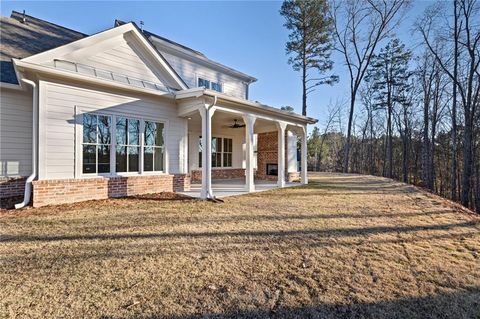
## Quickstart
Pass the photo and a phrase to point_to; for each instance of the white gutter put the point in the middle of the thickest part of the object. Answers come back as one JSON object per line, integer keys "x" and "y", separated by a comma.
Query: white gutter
{"x": 28, "y": 182}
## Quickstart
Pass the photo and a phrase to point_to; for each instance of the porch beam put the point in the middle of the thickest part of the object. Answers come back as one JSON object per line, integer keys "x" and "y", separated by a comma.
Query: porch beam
{"x": 303, "y": 174}
{"x": 249, "y": 159}
{"x": 281, "y": 153}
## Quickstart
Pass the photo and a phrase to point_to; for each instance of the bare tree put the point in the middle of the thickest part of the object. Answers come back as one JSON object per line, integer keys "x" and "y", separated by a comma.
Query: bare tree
{"x": 469, "y": 40}
{"x": 359, "y": 25}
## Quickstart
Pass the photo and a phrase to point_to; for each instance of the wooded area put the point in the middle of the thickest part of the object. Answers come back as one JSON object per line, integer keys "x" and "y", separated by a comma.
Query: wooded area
{"x": 413, "y": 112}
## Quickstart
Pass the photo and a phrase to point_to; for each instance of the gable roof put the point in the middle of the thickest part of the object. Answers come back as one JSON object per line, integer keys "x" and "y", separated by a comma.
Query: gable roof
{"x": 199, "y": 56}
{"x": 23, "y": 39}
{"x": 90, "y": 41}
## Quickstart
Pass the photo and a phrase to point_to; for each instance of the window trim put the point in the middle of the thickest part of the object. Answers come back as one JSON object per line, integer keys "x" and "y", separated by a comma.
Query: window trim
{"x": 199, "y": 76}
{"x": 140, "y": 122}
{"x": 78, "y": 141}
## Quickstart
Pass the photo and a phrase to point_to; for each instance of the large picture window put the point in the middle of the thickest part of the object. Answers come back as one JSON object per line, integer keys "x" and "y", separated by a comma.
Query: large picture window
{"x": 98, "y": 146}
{"x": 153, "y": 151}
{"x": 96, "y": 143}
{"x": 221, "y": 152}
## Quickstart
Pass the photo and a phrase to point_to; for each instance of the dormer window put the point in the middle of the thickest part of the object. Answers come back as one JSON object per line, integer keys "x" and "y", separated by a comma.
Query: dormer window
{"x": 209, "y": 84}
{"x": 204, "y": 83}
{"x": 216, "y": 87}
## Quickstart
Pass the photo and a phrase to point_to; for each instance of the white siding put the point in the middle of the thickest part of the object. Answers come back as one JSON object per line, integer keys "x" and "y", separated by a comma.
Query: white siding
{"x": 15, "y": 133}
{"x": 189, "y": 71}
{"x": 59, "y": 119}
{"x": 122, "y": 60}
{"x": 120, "y": 57}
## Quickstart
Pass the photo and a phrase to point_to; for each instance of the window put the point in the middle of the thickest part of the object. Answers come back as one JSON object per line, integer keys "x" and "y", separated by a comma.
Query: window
{"x": 216, "y": 86}
{"x": 96, "y": 143}
{"x": 153, "y": 151}
{"x": 221, "y": 152}
{"x": 227, "y": 152}
{"x": 216, "y": 152}
{"x": 204, "y": 83}
{"x": 127, "y": 133}
{"x": 103, "y": 154}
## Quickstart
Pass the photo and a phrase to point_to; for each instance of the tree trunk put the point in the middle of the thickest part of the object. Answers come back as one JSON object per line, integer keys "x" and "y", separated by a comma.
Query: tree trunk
{"x": 454, "y": 108}
{"x": 390, "y": 142}
{"x": 349, "y": 132}
{"x": 425, "y": 145}
{"x": 304, "y": 90}
{"x": 467, "y": 161}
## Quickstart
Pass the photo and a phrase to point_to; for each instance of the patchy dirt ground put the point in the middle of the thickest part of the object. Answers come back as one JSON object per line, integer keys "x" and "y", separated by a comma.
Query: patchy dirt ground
{"x": 344, "y": 246}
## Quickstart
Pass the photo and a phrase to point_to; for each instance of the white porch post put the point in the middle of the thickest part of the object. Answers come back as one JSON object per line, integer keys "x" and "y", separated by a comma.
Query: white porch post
{"x": 249, "y": 160}
{"x": 304, "y": 178}
{"x": 206, "y": 114}
{"x": 292, "y": 165}
{"x": 281, "y": 153}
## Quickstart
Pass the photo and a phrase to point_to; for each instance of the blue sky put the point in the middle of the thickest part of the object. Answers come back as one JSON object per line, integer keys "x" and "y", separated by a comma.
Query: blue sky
{"x": 246, "y": 35}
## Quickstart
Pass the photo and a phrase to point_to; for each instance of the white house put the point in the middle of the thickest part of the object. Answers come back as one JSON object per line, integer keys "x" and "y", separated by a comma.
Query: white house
{"x": 124, "y": 112}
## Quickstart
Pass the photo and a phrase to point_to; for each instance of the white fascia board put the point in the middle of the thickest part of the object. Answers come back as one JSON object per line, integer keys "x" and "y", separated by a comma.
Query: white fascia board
{"x": 194, "y": 92}
{"x": 41, "y": 69}
{"x": 261, "y": 108}
{"x": 202, "y": 59}
{"x": 102, "y": 36}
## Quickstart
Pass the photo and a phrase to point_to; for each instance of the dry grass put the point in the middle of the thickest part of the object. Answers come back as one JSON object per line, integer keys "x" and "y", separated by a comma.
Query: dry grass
{"x": 343, "y": 246}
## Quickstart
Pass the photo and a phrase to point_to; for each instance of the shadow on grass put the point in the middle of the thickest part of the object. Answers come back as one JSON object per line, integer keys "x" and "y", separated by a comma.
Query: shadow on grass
{"x": 317, "y": 233}
{"x": 462, "y": 303}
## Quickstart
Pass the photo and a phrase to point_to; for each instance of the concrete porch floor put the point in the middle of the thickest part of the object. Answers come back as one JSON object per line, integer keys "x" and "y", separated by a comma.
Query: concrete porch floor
{"x": 233, "y": 187}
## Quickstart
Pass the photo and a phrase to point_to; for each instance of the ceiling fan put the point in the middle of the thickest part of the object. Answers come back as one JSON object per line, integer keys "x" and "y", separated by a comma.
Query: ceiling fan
{"x": 236, "y": 125}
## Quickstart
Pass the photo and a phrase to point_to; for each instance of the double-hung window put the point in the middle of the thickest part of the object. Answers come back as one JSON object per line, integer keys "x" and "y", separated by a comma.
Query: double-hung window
{"x": 222, "y": 148}
{"x": 127, "y": 133}
{"x": 96, "y": 143}
{"x": 153, "y": 151}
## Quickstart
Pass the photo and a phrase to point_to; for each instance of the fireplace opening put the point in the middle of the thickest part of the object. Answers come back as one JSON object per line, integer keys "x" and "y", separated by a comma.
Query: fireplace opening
{"x": 272, "y": 169}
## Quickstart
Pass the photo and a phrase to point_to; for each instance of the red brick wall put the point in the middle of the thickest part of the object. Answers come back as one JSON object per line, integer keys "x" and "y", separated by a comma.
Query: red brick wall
{"x": 181, "y": 182}
{"x": 11, "y": 188}
{"x": 267, "y": 153}
{"x": 49, "y": 192}
{"x": 227, "y": 173}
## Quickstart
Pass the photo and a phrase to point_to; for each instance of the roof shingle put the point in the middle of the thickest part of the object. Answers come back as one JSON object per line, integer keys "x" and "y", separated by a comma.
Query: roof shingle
{"x": 20, "y": 40}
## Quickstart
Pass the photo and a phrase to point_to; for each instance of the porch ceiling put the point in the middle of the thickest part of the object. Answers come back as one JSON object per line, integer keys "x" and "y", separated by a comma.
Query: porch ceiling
{"x": 224, "y": 119}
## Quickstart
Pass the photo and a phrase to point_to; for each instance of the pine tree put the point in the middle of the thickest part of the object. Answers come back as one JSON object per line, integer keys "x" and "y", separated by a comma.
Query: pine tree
{"x": 310, "y": 43}
{"x": 389, "y": 75}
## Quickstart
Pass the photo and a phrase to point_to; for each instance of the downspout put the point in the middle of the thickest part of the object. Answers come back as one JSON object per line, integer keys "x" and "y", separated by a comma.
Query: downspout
{"x": 208, "y": 148}
{"x": 28, "y": 182}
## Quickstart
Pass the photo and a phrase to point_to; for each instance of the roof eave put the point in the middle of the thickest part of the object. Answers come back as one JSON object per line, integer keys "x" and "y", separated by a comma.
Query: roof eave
{"x": 45, "y": 70}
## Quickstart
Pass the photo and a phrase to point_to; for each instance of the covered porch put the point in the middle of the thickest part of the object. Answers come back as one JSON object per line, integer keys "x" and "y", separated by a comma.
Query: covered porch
{"x": 237, "y": 146}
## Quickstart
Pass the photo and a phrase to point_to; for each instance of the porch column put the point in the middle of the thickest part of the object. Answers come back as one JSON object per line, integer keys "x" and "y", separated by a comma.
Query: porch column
{"x": 292, "y": 165}
{"x": 206, "y": 114}
{"x": 249, "y": 176}
{"x": 303, "y": 177}
{"x": 281, "y": 153}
